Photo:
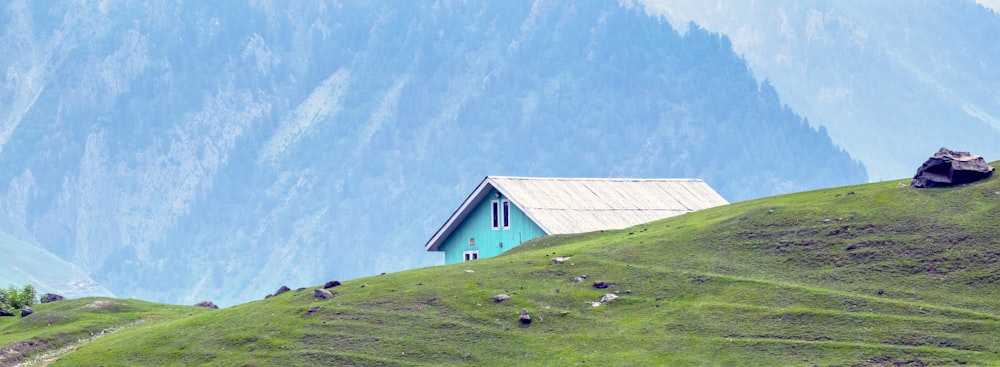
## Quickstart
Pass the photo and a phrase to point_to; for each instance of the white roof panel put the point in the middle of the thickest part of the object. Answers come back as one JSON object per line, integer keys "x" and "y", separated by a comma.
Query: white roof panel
{"x": 577, "y": 205}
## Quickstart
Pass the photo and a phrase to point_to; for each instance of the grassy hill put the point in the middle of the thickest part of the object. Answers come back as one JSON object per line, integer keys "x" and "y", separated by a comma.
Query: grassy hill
{"x": 871, "y": 275}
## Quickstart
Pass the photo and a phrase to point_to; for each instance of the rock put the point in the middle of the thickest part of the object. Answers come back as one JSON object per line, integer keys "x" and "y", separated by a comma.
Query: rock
{"x": 501, "y": 297}
{"x": 950, "y": 168}
{"x": 331, "y": 284}
{"x": 26, "y": 310}
{"x": 4, "y": 312}
{"x": 207, "y": 304}
{"x": 601, "y": 285}
{"x": 322, "y": 294}
{"x": 560, "y": 260}
{"x": 469, "y": 271}
{"x": 525, "y": 317}
{"x": 313, "y": 309}
{"x": 52, "y": 297}
{"x": 577, "y": 280}
{"x": 595, "y": 304}
{"x": 608, "y": 298}
{"x": 281, "y": 290}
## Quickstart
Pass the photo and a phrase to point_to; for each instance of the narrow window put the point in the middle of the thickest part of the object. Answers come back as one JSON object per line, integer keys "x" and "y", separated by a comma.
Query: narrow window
{"x": 506, "y": 214}
{"x": 496, "y": 214}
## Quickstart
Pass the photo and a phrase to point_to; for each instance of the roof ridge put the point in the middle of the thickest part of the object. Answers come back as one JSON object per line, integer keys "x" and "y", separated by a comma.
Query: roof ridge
{"x": 614, "y": 179}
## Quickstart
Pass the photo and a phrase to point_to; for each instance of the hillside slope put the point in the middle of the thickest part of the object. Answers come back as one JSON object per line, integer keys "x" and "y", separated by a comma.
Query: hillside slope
{"x": 190, "y": 150}
{"x": 872, "y": 275}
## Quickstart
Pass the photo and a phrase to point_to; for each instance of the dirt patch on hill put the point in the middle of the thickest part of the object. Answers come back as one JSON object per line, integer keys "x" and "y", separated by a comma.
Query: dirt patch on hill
{"x": 102, "y": 305}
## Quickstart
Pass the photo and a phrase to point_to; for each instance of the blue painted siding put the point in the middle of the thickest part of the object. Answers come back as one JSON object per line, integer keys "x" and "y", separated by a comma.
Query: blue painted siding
{"x": 490, "y": 242}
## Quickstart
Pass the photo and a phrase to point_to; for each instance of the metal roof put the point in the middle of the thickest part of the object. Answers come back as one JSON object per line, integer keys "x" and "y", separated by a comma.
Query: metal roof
{"x": 577, "y": 205}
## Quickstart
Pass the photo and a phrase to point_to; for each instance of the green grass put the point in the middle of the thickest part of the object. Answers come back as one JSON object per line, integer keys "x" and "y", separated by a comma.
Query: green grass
{"x": 870, "y": 275}
{"x": 67, "y": 324}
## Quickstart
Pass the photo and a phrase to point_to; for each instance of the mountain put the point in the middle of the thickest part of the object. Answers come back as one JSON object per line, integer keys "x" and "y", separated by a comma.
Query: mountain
{"x": 891, "y": 81}
{"x": 871, "y": 275}
{"x": 185, "y": 151}
{"x": 24, "y": 263}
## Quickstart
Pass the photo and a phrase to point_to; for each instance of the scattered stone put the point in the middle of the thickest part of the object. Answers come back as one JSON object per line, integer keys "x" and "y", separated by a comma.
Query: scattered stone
{"x": 601, "y": 285}
{"x": 207, "y": 304}
{"x": 560, "y": 260}
{"x": 52, "y": 297}
{"x": 469, "y": 271}
{"x": 281, "y": 290}
{"x": 608, "y": 298}
{"x": 4, "y": 312}
{"x": 501, "y": 297}
{"x": 950, "y": 168}
{"x": 26, "y": 310}
{"x": 331, "y": 284}
{"x": 364, "y": 285}
{"x": 577, "y": 280}
{"x": 525, "y": 317}
{"x": 313, "y": 309}
{"x": 322, "y": 294}
{"x": 595, "y": 304}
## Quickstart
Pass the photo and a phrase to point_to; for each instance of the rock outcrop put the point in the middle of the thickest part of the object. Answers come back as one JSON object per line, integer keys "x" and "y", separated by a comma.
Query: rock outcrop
{"x": 525, "y": 317}
{"x": 52, "y": 297}
{"x": 280, "y": 290}
{"x": 26, "y": 310}
{"x": 207, "y": 304}
{"x": 322, "y": 294}
{"x": 950, "y": 168}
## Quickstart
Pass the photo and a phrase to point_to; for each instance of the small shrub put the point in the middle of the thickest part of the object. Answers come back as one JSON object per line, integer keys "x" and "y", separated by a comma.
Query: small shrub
{"x": 14, "y": 298}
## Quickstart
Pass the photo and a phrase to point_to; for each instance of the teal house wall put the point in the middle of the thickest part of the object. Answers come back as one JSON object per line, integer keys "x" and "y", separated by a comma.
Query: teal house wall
{"x": 476, "y": 232}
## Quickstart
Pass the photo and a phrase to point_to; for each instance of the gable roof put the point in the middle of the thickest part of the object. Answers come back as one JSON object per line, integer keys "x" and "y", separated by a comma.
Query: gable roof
{"x": 577, "y": 205}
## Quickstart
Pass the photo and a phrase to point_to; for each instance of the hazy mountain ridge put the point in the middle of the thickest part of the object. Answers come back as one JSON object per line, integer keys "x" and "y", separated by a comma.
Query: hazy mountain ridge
{"x": 893, "y": 81}
{"x": 178, "y": 152}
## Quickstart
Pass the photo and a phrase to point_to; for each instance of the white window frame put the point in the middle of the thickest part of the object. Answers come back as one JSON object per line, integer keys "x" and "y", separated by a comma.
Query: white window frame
{"x": 470, "y": 255}
{"x": 495, "y": 214}
{"x": 505, "y": 214}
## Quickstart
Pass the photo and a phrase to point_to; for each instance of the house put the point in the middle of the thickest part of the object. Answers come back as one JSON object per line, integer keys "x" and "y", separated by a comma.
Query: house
{"x": 503, "y": 212}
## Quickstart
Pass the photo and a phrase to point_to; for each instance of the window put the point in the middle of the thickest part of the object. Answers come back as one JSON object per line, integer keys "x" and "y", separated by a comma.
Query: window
{"x": 470, "y": 255}
{"x": 495, "y": 205}
{"x": 506, "y": 214}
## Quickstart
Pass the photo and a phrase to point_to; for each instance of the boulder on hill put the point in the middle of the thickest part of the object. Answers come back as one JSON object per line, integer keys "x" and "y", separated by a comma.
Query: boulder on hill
{"x": 322, "y": 294}
{"x": 281, "y": 290}
{"x": 951, "y": 168}
{"x": 52, "y": 297}
{"x": 525, "y": 317}
{"x": 26, "y": 310}
{"x": 331, "y": 284}
{"x": 207, "y": 304}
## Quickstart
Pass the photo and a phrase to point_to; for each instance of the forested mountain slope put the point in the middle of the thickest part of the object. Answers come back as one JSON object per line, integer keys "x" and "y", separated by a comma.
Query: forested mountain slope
{"x": 180, "y": 151}
{"x": 892, "y": 81}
